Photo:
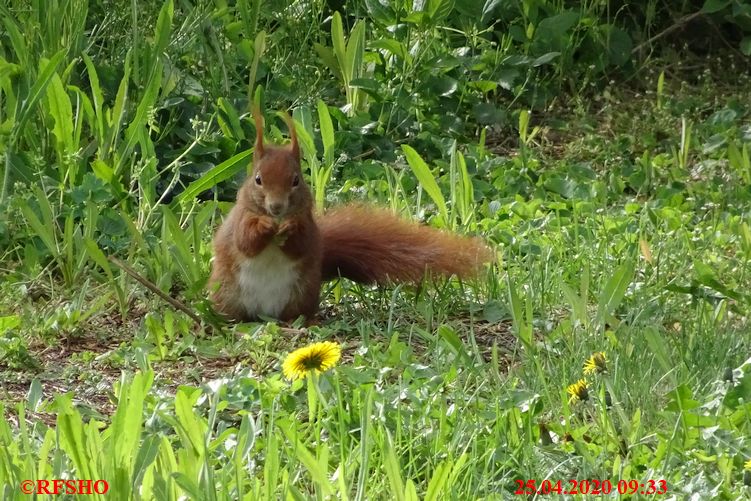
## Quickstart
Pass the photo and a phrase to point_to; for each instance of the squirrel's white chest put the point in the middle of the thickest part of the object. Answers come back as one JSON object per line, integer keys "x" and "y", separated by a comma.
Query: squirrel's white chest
{"x": 268, "y": 282}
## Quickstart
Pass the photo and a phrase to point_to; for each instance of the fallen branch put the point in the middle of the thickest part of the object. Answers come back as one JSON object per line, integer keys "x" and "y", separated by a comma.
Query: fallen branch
{"x": 178, "y": 305}
{"x": 156, "y": 290}
{"x": 680, "y": 22}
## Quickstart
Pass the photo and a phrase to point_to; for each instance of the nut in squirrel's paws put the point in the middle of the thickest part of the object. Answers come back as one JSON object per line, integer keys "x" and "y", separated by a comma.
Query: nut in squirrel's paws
{"x": 264, "y": 225}
{"x": 285, "y": 229}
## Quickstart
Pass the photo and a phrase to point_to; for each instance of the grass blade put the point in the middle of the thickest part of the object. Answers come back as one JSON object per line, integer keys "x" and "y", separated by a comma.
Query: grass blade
{"x": 391, "y": 465}
{"x": 97, "y": 97}
{"x": 259, "y": 46}
{"x": 316, "y": 470}
{"x": 438, "y": 481}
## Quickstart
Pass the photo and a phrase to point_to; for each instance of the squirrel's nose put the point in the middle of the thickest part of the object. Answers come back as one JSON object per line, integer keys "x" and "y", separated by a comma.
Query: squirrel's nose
{"x": 275, "y": 208}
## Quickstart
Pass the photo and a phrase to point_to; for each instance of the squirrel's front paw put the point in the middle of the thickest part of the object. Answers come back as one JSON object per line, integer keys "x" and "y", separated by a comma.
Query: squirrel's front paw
{"x": 254, "y": 234}
{"x": 263, "y": 226}
{"x": 287, "y": 227}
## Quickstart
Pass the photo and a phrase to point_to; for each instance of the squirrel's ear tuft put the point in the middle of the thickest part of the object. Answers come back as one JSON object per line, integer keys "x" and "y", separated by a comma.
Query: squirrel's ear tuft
{"x": 294, "y": 146}
{"x": 258, "y": 116}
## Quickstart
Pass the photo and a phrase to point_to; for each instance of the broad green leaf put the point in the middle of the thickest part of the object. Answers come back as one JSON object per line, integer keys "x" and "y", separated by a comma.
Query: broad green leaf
{"x": 46, "y": 233}
{"x": 84, "y": 118}
{"x": 410, "y": 491}
{"x": 681, "y": 399}
{"x": 438, "y": 10}
{"x": 127, "y": 424}
{"x": 329, "y": 59}
{"x": 635, "y": 427}
{"x": 456, "y": 468}
{"x": 179, "y": 247}
{"x": 452, "y": 338}
{"x": 657, "y": 346}
{"x": 711, "y": 6}
{"x": 355, "y": 55}
{"x": 577, "y": 303}
{"x": 708, "y": 277}
{"x": 380, "y": 11}
{"x": 229, "y": 120}
{"x": 9, "y": 322}
{"x": 96, "y": 254}
{"x": 438, "y": 481}
{"x": 740, "y": 393}
{"x": 70, "y": 429}
{"x": 34, "y": 395}
{"x": 745, "y": 46}
{"x": 189, "y": 485}
{"x": 47, "y": 70}
{"x": 307, "y": 145}
{"x": 327, "y": 132}
{"x": 17, "y": 40}
{"x": 464, "y": 199}
{"x": 146, "y": 455}
{"x": 106, "y": 174}
{"x": 614, "y": 290}
{"x": 337, "y": 40}
{"x": 489, "y": 114}
{"x": 58, "y": 104}
{"x": 44, "y": 453}
{"x": 118, "y": 111}
{"x": 216, "y": 175}
{"x": 426, "y": 179}
{"x": 190, "y": 426}
{"x": 392, "y": 46}
{"x": 163, "y": 29}
{"x": 521, "y": 324}
{"x": 8, "y": 69}
{"x": 545, "y": 58}
{"x": 619, "y": 45}
{"x": 140, "y": 119}
{"x": 355, "y": 51}
{"x": 556, "y": 25}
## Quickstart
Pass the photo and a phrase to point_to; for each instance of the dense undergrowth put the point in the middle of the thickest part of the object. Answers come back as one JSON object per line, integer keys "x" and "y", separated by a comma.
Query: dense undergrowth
{"x": 602, "y": 147}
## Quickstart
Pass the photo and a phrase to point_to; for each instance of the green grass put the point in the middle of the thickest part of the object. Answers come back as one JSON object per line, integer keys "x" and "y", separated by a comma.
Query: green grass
{"x": 615, "y": 187}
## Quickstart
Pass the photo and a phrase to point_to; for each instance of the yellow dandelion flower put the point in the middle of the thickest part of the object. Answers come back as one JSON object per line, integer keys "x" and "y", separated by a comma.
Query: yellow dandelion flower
{"x": 578, "y": 390}
{"x": 318, "y": 357}
{"x": 596, "y": 363}
{"x": 747, "y": 465}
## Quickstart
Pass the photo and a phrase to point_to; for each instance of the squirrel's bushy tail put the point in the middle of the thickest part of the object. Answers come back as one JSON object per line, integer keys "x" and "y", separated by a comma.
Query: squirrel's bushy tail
{"x": 370, "y": 245}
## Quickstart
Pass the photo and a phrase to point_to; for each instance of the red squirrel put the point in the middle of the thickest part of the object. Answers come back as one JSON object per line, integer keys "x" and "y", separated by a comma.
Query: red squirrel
{"x": 271, "y": 253}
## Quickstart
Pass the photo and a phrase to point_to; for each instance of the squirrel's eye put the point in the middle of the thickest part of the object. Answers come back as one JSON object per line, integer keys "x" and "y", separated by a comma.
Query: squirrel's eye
{"x": 258, "y": 180}
{"x": 296, "y": 180}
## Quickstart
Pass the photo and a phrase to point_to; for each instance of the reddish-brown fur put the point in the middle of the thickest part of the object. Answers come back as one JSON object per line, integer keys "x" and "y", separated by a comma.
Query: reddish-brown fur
{"x": 372, "y": 245}
{"x": 271, "y": 232}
